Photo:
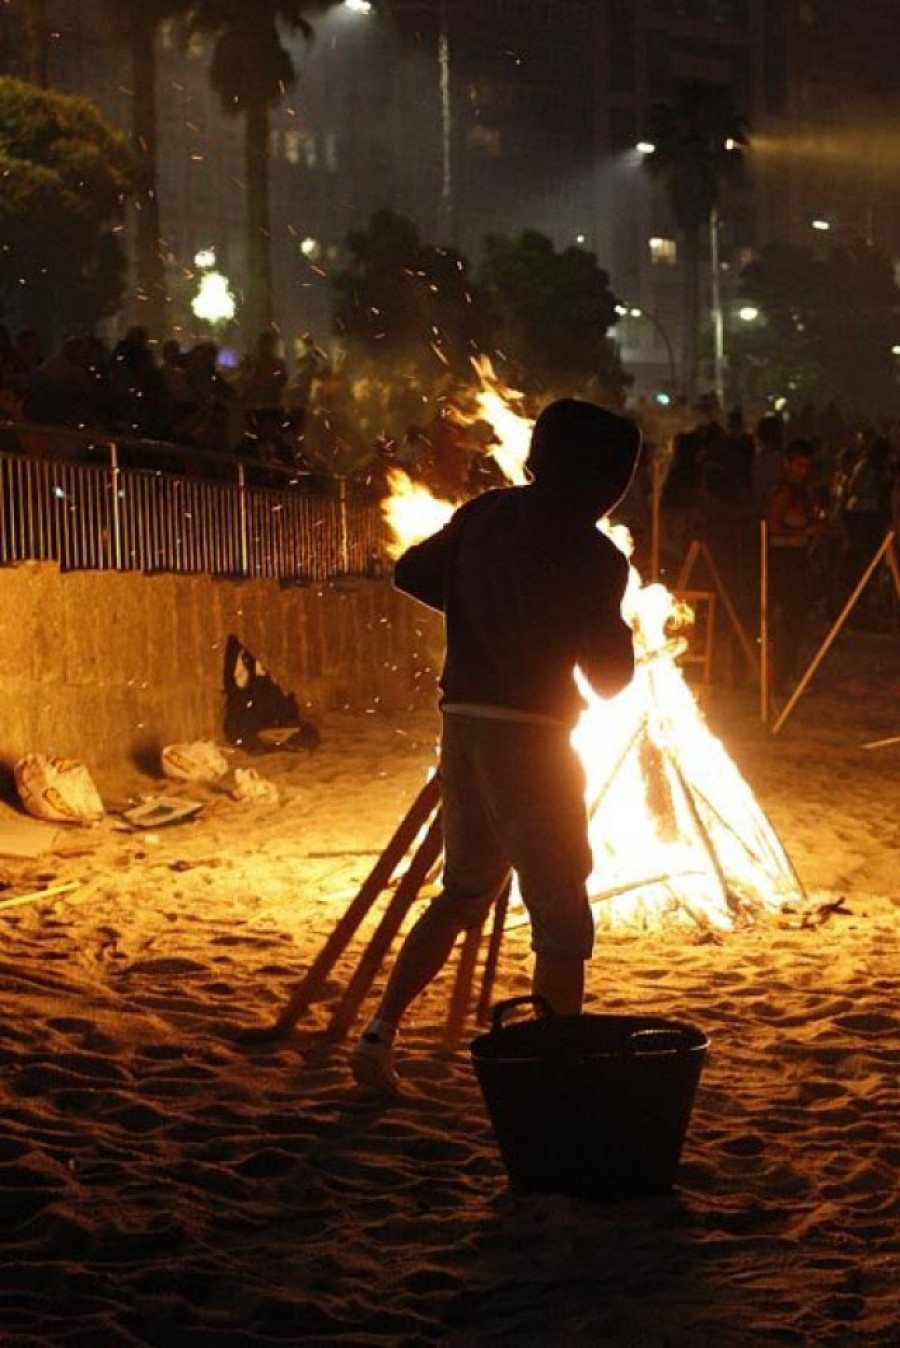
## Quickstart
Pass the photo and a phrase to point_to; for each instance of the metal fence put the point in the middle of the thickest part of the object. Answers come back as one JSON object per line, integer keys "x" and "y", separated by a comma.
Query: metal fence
{"x": 103, "y": 516}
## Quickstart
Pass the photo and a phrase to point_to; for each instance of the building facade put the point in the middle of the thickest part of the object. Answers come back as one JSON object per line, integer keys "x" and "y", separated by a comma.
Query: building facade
{"x": 480, "y": 116}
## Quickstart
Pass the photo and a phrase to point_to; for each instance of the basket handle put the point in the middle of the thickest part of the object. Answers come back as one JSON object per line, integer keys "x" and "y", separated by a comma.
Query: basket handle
{"x": 534, "y": 1000}
{"x": 665, "y": 1039}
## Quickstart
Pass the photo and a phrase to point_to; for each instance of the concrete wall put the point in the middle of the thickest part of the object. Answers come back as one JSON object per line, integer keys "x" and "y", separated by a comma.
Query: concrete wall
{"x": 104, "y": 666}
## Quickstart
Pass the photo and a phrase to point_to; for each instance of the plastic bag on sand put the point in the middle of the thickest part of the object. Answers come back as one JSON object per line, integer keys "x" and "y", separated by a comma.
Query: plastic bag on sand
{"x": 248, "y": 785}
{"x": 201, "y": 761}
{"x": 59, "y": 790}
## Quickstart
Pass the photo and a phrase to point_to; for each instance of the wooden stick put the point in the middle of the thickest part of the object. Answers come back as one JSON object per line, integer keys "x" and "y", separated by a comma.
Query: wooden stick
{"x": 746, "y": 643}
{"x": 656, "y": 479}
{"x": 779, "y": 856}
{"x": 594, "y": 804}
{"x": 646, "y": 883}
{"x": 883, "y": 551}
{"x": 313, "y": 981}
{"x": 373, "y": 956}
{"x": 687, "y": 566}
{"x": 702, "y": 831}
{"x": 491, "y": 959}
{"x": 462, "y": 986}
{"x": 882, "y": 744}
{"x": 763, "y": 622}
{"x": 37, "y": 894}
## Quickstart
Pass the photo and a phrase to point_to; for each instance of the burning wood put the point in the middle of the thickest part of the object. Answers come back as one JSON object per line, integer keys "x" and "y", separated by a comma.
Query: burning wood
{"x": 676, "y": 832}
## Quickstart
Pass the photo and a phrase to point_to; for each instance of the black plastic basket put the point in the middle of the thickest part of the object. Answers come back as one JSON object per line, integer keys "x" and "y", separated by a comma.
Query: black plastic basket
{"x": 593, "y": 1106}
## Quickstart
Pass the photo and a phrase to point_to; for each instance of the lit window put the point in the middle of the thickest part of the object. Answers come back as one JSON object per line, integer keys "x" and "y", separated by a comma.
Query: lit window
{"x": 292, "y": 147}
{"x": 663, "y": 252}
{"x": 486, "y": 139}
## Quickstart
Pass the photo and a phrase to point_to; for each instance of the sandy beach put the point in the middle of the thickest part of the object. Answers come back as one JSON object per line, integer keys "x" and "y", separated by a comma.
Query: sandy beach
{"x": 161, "y": 1184}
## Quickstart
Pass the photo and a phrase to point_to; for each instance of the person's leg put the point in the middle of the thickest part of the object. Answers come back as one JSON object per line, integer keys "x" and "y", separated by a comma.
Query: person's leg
{"x": 475, "y": 871}
{"x": 538, "y": 787}
{"x": 422, "y": 956}
{"x": 559, "y": 979}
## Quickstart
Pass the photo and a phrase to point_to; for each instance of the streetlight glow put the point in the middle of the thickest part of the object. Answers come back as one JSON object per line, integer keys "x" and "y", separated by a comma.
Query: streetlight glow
{"x": 635, "y": 311}
{"x": 748, "y": 313}
{"x": 359, "y": 6}
{"x": 820, "y": 224}
{"x": 645, "y": 147}
{"x": 214, "y": 302}
{"x": 205, "y": 258}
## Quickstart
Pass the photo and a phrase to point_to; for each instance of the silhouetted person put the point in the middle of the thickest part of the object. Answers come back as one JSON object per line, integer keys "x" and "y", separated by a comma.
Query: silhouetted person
{"x": 66, "y": 389}
{"x": 768, "y": 462}
{"x": 529, "y": 589}
{"x": 793, "y": 525}
{"x": 263, "y": 375}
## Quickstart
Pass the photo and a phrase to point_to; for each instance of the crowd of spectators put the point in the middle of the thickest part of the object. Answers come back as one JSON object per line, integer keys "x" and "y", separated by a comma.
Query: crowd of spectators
{"x": 307, "y": 426}
{"x": 319, "y": 420}
{"x": 829, "y": 492}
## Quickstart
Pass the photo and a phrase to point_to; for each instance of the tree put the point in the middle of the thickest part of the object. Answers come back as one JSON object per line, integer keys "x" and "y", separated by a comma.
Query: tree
{"x": 550, "y": 313}
{"x": 251, "y": 71}
{"x": 403, "y": 303}
{"x": 827, "y": 325}
{"x": 135, "y": 24}
{"x": 66, "y": 174}
{"x": 699, "y": 141}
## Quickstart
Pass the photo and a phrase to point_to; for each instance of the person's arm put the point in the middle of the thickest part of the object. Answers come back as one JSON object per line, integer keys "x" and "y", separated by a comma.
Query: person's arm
{"x": 420, "y": 571}
{"x": 607, "y": 655}
{"x": 777, "y": 504}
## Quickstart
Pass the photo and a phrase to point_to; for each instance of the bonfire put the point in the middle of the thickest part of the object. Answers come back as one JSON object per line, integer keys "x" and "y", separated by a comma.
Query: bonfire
{"x": 676, "y": 832}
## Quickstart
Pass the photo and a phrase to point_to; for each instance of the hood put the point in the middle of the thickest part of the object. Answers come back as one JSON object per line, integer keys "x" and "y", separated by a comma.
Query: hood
{"x": 580, "y": 450}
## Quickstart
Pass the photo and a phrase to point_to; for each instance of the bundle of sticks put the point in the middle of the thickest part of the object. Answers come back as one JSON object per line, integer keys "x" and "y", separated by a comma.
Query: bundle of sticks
{"x": 417, "y": 841}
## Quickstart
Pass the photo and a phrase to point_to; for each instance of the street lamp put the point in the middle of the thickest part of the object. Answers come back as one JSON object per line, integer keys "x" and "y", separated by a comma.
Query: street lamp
{"x": 626, "y": 310}
{"x": 359, "y": 6}
{"x": 824, "y": 224}
{"x": 748, "y": 313}
{"x": 214, "y": 302}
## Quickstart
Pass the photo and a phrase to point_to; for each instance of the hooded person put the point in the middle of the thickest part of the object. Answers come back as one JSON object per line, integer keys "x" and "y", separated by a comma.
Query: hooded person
{"x": 529, "y": 589}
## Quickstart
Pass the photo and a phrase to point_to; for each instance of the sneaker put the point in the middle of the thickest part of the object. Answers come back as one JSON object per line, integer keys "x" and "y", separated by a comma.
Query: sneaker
{"x": 372, "y": 1065}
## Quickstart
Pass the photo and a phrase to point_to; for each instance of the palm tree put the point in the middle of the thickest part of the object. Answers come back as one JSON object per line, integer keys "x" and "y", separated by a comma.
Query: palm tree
{"x": 699, "y": 141}
{"x": 37, "y": 39}
{"x": 136, "y": 24}
{"x": 251, "y": 70}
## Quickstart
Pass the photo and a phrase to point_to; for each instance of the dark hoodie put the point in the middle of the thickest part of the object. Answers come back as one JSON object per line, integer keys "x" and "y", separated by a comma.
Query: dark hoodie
{"x": 528, "y": 585}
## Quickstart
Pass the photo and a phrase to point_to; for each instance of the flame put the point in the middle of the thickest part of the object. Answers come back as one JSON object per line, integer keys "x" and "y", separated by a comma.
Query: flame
{"x": 412, "y": 512}
{"x": 675, "y": 830}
